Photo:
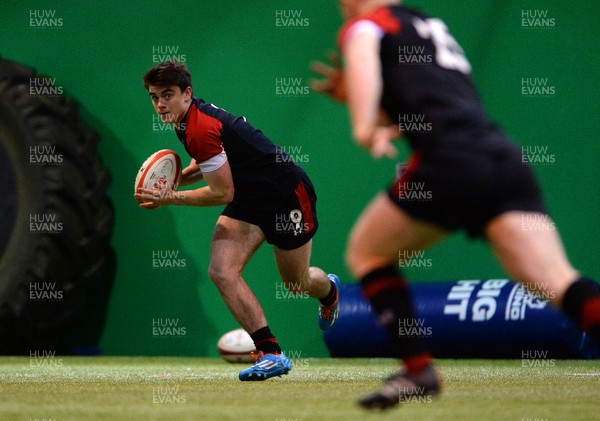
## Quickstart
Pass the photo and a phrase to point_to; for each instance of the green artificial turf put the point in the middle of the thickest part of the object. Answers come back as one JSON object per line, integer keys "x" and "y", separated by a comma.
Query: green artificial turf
{"x": 143, "y": 388}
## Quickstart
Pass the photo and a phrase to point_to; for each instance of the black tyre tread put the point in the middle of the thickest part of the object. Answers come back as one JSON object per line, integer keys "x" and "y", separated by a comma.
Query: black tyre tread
{"x": 79, "y": 259}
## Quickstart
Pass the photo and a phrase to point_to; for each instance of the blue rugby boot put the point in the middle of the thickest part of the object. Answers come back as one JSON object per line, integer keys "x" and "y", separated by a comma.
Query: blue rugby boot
{"x": 266, "y": 366}
{"x": 329, "y": 314}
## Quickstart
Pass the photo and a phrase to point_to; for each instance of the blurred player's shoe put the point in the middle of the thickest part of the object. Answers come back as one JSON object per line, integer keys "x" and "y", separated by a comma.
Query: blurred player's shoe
{"x": 329, "y": 314}
{"x": 266, "y": 366}
{"x": 403, "y": 387}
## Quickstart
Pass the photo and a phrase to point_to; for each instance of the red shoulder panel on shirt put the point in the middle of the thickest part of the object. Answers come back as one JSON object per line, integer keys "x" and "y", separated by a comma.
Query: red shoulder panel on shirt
{"x": 382, "y": 17}
{"x": 202, "y": 135}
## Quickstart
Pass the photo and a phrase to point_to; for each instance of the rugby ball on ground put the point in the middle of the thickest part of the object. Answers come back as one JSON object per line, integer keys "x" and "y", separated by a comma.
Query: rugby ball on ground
{"x": 162, "y": 170}
{"x": 236, "y": 346}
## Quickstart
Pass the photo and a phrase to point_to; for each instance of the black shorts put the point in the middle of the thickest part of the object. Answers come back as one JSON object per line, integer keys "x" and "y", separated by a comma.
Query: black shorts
{"x": 291, "y": 224}
{"x": 465, "y": 189}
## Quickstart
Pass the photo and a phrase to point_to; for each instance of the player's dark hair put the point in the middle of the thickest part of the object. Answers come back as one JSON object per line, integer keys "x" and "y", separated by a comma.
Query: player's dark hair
{"x": 168, "y": 73}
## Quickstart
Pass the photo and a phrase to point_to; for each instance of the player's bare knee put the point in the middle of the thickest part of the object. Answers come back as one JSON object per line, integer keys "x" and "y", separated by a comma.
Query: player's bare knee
{"x": 220, "y": 275}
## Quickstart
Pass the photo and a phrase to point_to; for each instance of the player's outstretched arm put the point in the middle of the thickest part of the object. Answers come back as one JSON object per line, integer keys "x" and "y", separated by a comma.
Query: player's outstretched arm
{"x": 364, "y": 86}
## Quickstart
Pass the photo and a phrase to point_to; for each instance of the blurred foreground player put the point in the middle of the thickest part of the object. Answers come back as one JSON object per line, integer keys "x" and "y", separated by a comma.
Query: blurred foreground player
{"x": 407, "y": 64}
{"x": 267, "y": 196}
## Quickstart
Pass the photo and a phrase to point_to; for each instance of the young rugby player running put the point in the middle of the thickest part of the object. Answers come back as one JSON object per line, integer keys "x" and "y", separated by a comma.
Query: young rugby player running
{"x": 259, "y": 185}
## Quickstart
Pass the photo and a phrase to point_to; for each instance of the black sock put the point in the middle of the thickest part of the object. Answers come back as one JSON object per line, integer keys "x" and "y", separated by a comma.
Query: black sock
{"x": 582, "y": 303}
{"x": 331, "y": 297}
{"x": 390, "y": 299}
{"x": 265, "y": 341}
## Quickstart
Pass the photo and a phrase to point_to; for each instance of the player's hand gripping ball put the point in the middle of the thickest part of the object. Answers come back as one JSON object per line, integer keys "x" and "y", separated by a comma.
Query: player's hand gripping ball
{"x": 158, "y": 177}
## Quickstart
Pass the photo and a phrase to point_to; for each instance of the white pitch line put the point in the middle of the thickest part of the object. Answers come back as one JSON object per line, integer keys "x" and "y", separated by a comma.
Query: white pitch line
{"x": 583, "y": 374}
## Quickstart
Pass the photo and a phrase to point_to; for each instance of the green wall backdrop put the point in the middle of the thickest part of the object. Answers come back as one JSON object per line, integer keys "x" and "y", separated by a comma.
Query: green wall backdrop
{"x": 238, "y": 54}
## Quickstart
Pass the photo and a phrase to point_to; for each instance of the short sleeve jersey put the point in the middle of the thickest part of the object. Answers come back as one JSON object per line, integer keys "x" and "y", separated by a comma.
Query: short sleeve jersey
{"x": 427, "y": 87}
{"x": 263, "y": 174}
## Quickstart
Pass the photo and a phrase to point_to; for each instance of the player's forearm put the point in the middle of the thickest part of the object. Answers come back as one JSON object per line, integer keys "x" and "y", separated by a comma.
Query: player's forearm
{"x": 364, "y": 86}
{"x": 190, "y": 177}
{"x": 203, "y": 196}
{"x": 363, "y": 116}
{"x": 191, "y": 174}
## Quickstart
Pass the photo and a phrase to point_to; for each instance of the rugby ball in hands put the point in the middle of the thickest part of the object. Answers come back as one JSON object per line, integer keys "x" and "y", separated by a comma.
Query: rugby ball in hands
{"x": 236, "y": 346}
{"x": 162, "y": 170}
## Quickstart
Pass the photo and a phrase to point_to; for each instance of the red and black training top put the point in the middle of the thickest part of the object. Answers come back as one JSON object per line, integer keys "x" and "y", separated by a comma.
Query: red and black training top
{"x": 427, "y": 84}
{"x": 264, "y": 175}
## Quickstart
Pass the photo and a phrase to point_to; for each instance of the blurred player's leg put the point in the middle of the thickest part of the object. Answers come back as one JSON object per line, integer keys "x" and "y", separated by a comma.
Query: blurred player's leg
{"x": 382, "y": 231}
{"x": 299, "y": 278}
{"x": 533, "y": 254}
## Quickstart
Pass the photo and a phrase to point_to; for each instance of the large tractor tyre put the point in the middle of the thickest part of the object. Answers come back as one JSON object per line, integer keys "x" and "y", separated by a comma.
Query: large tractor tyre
{"x": 56, "y": 261}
